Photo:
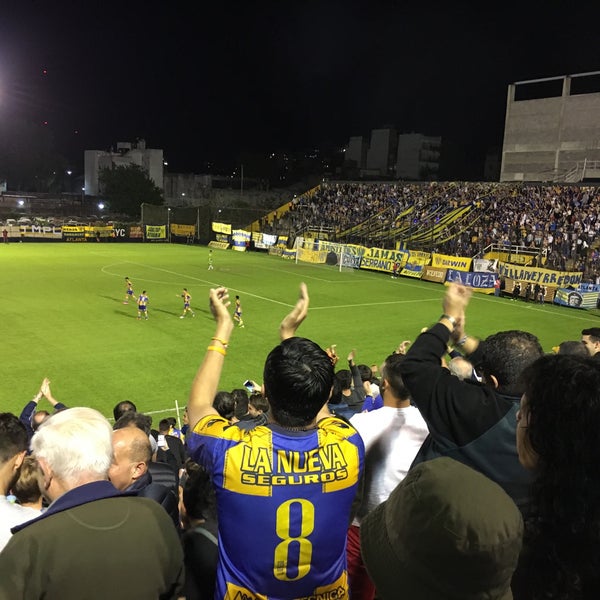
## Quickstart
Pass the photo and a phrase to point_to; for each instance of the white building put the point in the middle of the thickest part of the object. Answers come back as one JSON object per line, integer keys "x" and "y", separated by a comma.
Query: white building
{"x": 126, "y": 153}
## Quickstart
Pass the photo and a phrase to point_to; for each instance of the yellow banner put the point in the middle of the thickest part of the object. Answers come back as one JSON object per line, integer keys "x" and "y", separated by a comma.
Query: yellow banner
{"x": 156, "y": 232}
{"x": 73, "y": 228}
{"x": 178, "y": 229}
{"x": 514, "y": 258}
{"x": 221, "y": 228}
{"x": 378, "y": 259}
{"x": 443, "y": 261}
{"x": 539, "y": 275}
{"x": 312, "y": 256}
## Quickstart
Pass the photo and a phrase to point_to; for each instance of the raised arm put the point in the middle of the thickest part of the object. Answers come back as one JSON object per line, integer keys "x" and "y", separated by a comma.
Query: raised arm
{"x": 206, "y": 381}
{"x": 47, "y": 393}
{"x": 294, "y": 318}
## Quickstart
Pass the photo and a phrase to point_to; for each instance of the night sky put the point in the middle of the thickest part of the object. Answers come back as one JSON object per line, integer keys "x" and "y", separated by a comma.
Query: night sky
{"x": 207, "y": 81}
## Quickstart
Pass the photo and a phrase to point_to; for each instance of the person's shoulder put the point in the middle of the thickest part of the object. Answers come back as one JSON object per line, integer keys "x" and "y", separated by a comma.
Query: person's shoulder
{"x": 336, "y": 425}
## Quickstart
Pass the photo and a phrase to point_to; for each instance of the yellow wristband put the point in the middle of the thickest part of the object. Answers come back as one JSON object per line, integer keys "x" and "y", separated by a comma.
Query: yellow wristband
{"x": 218, "y": 349}
{"x": 224, "y": 342}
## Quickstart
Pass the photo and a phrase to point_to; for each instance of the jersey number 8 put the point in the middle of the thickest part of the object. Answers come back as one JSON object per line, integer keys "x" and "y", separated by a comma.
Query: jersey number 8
{"x": 298, "y": 542}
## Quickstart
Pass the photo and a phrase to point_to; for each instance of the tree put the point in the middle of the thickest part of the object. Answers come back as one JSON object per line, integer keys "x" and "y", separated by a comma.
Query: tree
{"x": 125, "y": 188}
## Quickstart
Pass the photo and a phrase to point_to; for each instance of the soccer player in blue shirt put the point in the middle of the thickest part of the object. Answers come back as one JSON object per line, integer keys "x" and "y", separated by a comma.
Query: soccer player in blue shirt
{"x": 142, "y": 305}
{"x": 284, "y": 489}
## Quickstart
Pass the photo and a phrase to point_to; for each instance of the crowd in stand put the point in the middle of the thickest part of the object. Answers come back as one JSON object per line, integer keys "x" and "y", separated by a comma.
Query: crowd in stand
{"x": 560, "y": 223}
{"x": 458, "y": 468}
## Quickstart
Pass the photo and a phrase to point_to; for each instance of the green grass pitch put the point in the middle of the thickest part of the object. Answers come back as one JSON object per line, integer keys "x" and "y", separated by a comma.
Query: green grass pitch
{"x": 63, "y": 317}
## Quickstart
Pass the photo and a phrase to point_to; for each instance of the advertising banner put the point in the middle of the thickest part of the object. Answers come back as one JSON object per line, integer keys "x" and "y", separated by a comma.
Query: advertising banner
{"x": 136, "y": 232}
{"x": 221, "y": 228}
{"x": 48, "y": 232}
{"x": 183, "y": 230}
{"x": 434, "y": 274}
{"x": 73, "y": 233}
{"x": 460, "y": 263}
{"x": 156, "y": 232}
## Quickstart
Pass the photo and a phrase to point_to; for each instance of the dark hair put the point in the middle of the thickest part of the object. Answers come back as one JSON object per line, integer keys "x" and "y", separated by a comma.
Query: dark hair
{"x": 343, "y": 378}
{"x": 505, "y": 355}
{"x": 224, "y": 404}
{"x": 593, "y": 332}
{"x": 13, "y": 436}
{"x": 563, "y": 530}
{"x": 391, "y": 373}
{"x": 123, "y": 407}
{"x": 134, "y": 419}
{"x": 240, "y": 397}
{"x": 164, "y": 425}
{"x": 172, "y": 421}
{"x": 574, "y": 348}
{"x": 298, "y": 378}
{"x": 259, "y": 402}
{"x": 366, "y": 373}
{"x": 199, "y": 496}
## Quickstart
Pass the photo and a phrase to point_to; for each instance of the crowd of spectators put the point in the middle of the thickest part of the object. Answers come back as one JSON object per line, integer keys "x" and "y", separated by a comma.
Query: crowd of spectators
{"x": 559, "y": 224}
{"x": 458, "y": 468}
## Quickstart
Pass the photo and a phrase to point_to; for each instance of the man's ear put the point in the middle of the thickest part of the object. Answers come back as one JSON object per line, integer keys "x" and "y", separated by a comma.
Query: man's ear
{"x": 138, "y": 470}
{"x": 19, "y": 458}
{"x": 493, "y": 382}
{"x": 47, "y": 474}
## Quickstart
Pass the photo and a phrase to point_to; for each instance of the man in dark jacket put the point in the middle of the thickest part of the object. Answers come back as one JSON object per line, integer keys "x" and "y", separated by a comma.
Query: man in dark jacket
{"x": 90, "y": 532}
{"x": 33, "y": 418}
{"x": 472, "y": 423}
{"x": 129, "y": 471}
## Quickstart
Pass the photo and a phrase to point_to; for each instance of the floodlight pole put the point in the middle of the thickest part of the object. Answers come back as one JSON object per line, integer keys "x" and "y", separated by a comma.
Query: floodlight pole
{"x": 169, "y": 225}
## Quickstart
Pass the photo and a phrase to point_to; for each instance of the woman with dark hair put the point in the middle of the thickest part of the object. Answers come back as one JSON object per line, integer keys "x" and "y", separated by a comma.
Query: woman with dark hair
{"x": 557, "y": 438}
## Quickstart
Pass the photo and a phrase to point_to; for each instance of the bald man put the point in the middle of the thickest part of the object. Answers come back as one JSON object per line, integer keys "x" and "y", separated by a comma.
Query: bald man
{"x": 128, "y": 472}
{"x": 132, "y": 454}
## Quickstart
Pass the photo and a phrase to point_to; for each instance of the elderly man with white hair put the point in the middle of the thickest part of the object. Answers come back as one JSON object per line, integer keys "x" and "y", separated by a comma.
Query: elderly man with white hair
{"x": 91, "y": 536}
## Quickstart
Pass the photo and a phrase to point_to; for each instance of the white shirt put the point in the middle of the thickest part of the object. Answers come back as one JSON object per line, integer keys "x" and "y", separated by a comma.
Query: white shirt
{"x": 392, "y": 438}
{"x": 11, "y": 515}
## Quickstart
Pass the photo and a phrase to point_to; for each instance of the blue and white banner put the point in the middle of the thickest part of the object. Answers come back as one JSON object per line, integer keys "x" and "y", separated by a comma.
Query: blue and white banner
{"x": 483, "y": 282}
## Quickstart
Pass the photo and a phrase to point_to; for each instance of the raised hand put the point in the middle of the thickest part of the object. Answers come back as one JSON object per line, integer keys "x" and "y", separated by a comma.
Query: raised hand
{"x": 219, "y": 303}
{"x": 294, "y": 318}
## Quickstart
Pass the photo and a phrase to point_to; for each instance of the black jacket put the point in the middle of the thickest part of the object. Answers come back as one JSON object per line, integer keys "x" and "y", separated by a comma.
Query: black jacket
{"x": 467, "y": 421}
